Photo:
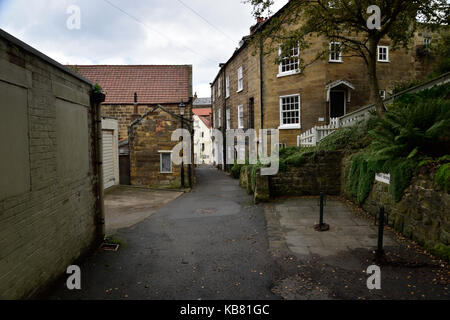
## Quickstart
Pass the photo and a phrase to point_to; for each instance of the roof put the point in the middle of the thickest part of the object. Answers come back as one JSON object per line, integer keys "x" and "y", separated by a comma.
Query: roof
{"x": 202, "y": 102}
{"x": 202, "y": 111}
{"x": 206, "y": 121}
{"x": 154, "y": 84}
{"x": 247, "y": 39}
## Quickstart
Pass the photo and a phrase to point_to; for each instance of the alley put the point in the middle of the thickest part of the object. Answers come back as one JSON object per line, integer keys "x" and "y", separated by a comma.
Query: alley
{"x": 207, "y": 244}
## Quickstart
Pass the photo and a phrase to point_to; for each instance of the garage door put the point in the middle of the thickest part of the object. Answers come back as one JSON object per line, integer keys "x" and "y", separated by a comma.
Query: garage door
{"x": 108, "y": 159}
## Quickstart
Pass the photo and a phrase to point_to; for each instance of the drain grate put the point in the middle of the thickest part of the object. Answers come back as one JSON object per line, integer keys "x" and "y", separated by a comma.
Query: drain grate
{"x": 109, "y": 247}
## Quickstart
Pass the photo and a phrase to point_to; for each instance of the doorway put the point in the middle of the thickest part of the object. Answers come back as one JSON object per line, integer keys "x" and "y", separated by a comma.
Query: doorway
{"x": 338, "y": 104}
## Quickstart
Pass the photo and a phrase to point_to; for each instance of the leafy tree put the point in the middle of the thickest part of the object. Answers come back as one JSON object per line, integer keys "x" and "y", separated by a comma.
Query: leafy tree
{"x": 350, "y": 23}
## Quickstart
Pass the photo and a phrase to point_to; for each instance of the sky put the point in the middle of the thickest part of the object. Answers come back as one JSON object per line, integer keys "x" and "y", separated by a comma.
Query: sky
{"x": 203, "y": 33}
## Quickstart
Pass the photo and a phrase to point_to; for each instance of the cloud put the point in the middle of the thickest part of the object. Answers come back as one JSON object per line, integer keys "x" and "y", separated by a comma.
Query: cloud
{"x": 165, "y": 32}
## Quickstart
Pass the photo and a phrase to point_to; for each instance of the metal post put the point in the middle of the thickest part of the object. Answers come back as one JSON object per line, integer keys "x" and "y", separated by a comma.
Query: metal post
{"x": 380, "y": 252}
{"x": 182, "y": 161}
{"x": 321, "y": 208}
{"x": 322, "y": 226}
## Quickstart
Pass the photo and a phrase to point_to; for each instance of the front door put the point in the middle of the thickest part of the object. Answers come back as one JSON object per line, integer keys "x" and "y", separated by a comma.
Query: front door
{"x": 337, "y": 104}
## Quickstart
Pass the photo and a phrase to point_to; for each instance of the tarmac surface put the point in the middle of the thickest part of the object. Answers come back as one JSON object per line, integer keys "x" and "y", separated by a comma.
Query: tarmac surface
{"x": 207, "y": 244}
{"x": 214, "y": 244}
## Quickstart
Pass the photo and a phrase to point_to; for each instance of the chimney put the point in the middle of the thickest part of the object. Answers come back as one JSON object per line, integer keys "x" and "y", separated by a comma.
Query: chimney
{"x": 136, "y": 114}
{"x": 259, "y": 21}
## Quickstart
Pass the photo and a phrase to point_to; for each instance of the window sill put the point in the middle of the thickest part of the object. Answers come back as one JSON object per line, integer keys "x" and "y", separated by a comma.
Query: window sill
{"x": 335, "y": 61}
{"x": 290, "y": 73}
{"x": 239, "y": 91}
{"x": 166, "y": 172}
{"x": 290, "y": 127}
{"x": 384, "y": 61}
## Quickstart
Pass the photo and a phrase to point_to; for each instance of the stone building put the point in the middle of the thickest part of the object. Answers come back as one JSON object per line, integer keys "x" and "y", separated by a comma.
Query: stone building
{"x": 51, "y": 205}
{"x": 133, "y": 90}
{"x": 145, "y": 100}
{"x": 251, "y": 91}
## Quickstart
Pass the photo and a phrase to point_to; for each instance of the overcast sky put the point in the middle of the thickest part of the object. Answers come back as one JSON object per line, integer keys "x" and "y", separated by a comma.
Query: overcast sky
{"x": 144, "y": 32}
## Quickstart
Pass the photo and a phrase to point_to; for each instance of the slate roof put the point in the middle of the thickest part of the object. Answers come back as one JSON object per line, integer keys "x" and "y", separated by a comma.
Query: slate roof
{"x": 154, "y": 84}
{"x": 202, "y": 102}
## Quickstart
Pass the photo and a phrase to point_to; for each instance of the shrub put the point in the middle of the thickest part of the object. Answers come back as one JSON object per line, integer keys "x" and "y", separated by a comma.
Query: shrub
{"x": 442, "y": 177}
{"x": 417, "y": 125}
{"x": 236, "y": 171}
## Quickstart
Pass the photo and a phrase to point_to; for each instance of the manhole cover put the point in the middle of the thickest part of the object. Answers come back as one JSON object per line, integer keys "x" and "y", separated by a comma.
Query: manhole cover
{"x": 205, "y": 211}
{"x": 109, "y": 247}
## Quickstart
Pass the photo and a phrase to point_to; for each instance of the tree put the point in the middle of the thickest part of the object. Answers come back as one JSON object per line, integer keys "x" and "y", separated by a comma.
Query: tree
{"x": 352, "y": 23}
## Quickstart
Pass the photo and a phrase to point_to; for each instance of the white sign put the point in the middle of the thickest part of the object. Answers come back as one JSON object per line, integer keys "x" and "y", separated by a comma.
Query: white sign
{"x": 383, "y": 177}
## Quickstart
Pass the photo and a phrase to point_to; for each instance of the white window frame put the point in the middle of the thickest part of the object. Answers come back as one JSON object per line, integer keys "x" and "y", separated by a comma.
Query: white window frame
{"x": 383, "y": 94}
{"x": 161, "y": 161}
{"x": 214, "y": 93}
{"x": 227, "y": 87}
{"x": 219, "y": 117}
{"x": 427, "y": 41}
{"x": 240, "y": 116}
{"x": 295, "y": 125}
{"x": 332, "y": 43}
{"x": 282, "y": 73}
{"x": 379, "y": 55}
{"x": 228, "y": 119}
{"x": 240, "y": 77}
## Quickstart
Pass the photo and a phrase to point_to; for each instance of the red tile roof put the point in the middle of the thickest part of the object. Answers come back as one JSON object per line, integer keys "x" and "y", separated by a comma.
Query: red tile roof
{"x": 153, "y": 84}
{"x": 202, "y": 111}
{"x": 206, "y": 121}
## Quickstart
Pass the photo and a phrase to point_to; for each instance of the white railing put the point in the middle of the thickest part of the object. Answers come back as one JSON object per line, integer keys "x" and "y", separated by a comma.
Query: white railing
{"x": 311, "y": 137}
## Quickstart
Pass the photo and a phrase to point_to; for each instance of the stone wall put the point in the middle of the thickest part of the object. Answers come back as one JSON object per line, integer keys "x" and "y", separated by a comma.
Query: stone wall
{"x": 49, "y": 210}
{"x": 124, "y": 115}
{"x": 320, "y": 173}
{"x": 422, "y": 215}
{"x": 146, "y": 141}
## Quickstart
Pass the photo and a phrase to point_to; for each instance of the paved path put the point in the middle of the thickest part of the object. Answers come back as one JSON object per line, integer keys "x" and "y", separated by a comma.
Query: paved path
{"x": 207, "y": 244}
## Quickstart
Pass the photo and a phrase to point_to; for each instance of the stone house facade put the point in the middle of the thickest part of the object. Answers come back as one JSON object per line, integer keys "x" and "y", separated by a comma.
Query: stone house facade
{"x": 51, "y": 190}
{"x": 252, "y": 91}
{"x": 145, "y": 100}
{"x": 151, "y": 148}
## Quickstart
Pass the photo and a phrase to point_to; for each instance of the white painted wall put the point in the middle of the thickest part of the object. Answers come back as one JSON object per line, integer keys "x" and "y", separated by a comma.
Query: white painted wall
{"x": 110, "y": 128}
{"x": 199, "y": 155}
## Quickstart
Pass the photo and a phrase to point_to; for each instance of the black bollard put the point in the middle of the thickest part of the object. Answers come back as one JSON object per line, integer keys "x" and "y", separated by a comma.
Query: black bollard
{"x": 380, "y": 251}
{"x": 321, "y": 226}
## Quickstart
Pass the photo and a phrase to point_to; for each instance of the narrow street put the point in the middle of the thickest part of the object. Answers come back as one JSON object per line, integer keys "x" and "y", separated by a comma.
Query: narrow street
{"x": 207, "y": 244}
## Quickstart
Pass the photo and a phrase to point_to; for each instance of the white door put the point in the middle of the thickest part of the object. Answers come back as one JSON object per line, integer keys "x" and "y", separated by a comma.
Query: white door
{"x": 108, "y": 159}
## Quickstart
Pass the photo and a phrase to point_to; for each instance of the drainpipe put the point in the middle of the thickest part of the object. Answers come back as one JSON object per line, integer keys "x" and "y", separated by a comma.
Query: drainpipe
{"x": 224, "y": 116}
{"x": 261, "y": 81}
{"x": 97, "y": 99}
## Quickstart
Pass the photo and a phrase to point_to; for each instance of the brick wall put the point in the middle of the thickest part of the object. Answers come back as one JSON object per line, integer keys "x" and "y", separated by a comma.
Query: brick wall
{"x": 48, "y": 211}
